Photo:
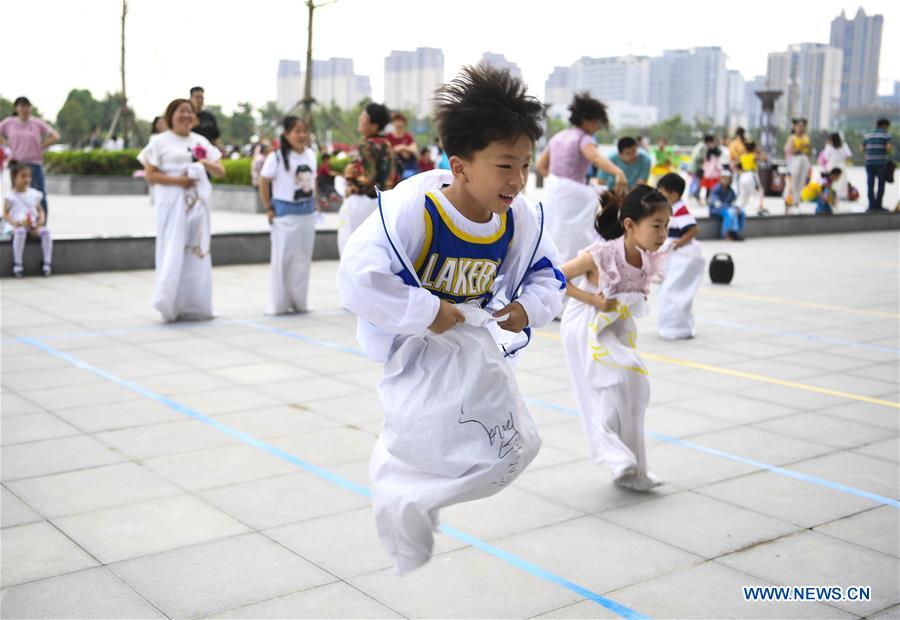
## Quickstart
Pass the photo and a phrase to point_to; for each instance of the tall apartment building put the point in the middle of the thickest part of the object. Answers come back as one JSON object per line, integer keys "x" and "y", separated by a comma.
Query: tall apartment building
{"x": 410, "y": 79}
{"x": 809, "y": 75}
{"x": 860, "y": 40}
{"x": 499, "y": 61}
{"x": 333, "y": 82}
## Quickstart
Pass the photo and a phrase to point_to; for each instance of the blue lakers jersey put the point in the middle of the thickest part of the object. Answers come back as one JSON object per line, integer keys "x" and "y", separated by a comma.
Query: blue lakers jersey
{"x": 455, "y": 265}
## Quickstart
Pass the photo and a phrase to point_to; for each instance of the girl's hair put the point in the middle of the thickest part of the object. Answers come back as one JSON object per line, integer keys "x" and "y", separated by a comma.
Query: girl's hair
{"x": 641, "y": 202}
{"x": 379, "y": 114}
{"x": 172, "y": 108}
{"x": 836, "y": 141}
{"x": 586, "y": 108}
{"x": 152, "y": 124}
{"x": 751, "y": 146}
{"x": 287, "y": 125}
{"x": 15, "y": 167}
{"x": 482, "y": 105}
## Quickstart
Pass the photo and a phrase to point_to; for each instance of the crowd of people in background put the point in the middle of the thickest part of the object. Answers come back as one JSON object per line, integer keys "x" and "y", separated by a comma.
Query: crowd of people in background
{"x": 722, "y": 174}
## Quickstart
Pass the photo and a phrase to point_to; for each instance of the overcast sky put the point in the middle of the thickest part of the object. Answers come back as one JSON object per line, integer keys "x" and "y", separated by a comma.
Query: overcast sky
{"x": 233, "y": 48}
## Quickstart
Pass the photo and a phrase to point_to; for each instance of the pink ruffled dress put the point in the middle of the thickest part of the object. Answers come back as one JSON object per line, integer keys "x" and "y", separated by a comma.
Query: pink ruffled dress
{"x": 609, "y": 378}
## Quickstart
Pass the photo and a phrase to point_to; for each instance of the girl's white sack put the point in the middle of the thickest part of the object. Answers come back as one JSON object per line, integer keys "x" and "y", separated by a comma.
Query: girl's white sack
{"x": 183, "y": 263}
{"x": 569, "y": 212}
{"x": 293, "y": 238}
{"x": 456, "y": 429}
{"x": 602, "y": 347}
{"x": 683, "y": 275}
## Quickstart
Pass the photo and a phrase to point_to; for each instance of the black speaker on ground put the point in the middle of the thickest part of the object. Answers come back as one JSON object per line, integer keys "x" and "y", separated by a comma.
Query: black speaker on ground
{"x": 721, "y": 269}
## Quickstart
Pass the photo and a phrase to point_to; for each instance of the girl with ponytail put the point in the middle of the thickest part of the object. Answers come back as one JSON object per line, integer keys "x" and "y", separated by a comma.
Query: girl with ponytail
{"x": 287, "y": 189}
{"x": 608, "y": 283}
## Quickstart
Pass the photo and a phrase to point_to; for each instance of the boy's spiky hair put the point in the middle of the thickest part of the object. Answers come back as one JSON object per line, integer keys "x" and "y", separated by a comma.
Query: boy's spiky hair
{"x": 483, "y": 105}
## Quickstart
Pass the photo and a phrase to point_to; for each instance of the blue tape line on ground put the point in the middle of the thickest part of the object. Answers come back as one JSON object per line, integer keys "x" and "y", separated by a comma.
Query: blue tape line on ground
{"x": 814, "y": 337}
{"x": 185, "y": 410}
{"x": 509, "y": 558}
{"x": 300, "y": 337}
{"x": 837, "y": 486}
{"x": 526, "y": 566}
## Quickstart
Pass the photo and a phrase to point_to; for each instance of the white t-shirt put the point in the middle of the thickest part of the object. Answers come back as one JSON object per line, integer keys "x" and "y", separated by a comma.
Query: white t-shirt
{"x": 172, "y": 153}
{"x": 24, "y": 203}
{"x": 298, "y": 182}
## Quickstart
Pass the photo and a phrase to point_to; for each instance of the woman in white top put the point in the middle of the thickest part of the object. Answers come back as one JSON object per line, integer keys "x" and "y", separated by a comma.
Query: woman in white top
{"x": 176, "y": 163}
{"x": 290, "y": 205}
{"x": 835, "y": 155}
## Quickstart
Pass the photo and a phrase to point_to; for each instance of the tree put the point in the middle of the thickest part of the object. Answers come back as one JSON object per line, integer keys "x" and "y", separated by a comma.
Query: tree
{"x": 270, "y": 117}
{"x": 241, "y": 125}
{"x": 78, "y": 115}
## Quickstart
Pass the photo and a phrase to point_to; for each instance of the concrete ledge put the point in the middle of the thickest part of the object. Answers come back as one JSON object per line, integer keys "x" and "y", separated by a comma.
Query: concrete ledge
{"x": 91, "y": 185}
{"x": 782, "y": 225}
{"x": 81, "y": 255}
{"x": 238, "y": 198}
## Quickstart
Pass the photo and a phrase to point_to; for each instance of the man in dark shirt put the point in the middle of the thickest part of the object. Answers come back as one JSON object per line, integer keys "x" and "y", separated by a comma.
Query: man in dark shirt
{"x": 206, "y": 122}
{"x": 877, "y": 145}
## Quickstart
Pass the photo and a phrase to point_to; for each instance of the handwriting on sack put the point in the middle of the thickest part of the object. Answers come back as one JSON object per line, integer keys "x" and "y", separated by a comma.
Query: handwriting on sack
{"x": 508, "y": 440}
{"x": 505, "y": 435}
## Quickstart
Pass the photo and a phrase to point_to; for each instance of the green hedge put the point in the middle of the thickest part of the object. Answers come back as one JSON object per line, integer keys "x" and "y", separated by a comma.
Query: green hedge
{"x": 124, "y": 163}
{"x": 104, "y": 163}
{"x": 237, "y": 172}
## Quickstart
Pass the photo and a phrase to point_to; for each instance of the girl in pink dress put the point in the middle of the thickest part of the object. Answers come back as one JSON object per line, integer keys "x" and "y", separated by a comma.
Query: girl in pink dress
{"x": 608, "y": 283}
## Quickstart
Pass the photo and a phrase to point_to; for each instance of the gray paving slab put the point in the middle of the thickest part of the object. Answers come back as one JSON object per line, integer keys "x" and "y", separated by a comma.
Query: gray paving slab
{"x": 823, "y": 430}
{"x": 116, "y": 534}
{"x": 335, "y": 600}
{"x": 73, "y": 492}
{"x": 790, "y": 500}
{"x": 891, "y": 613}
{"x": 877, "y": 529}
{"x": 857, "y": 470}
{"x": 282, "y": 500}
{"x": 889, "y": 449}
{"x": 583, "y": 547}
{"x": 698, "y": 524}
{"x": 13, "y": 404}
{"x": 35, "y": 427}
{"x": 173, "y": 484}
{"x": 205, "y": 579}
{"x": 40, "y": 458}
{"x": 823, "y": 560}
{"x": 216, "y": 467}
{"x": 583, "y": 486}
{"x": 13, "y": 511}
{"x": 707, "y": 590}
{"x": 458, "y": 585}
{"x": 734, "y": 408}
{"x": 356, "y": 551}
{"x": 146, "y": 442}
{"x": 111, "y": 416}
{"x": 37, "y": 550}
{"x": 91, "y": 593}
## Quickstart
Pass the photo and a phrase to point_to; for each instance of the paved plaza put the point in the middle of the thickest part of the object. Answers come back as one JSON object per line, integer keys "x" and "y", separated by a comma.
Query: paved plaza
{"x": 219, "y": 469}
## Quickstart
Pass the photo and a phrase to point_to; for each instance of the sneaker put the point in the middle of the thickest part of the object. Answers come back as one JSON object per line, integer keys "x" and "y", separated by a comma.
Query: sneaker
{"x": 737, "y": 237}
{"x": 731, "y": 235}
{"x": 763, "y": 212}
{"x": 47, "y": 270}
{"x": 876, "y": 210}
{"x": 18, "y": 272}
